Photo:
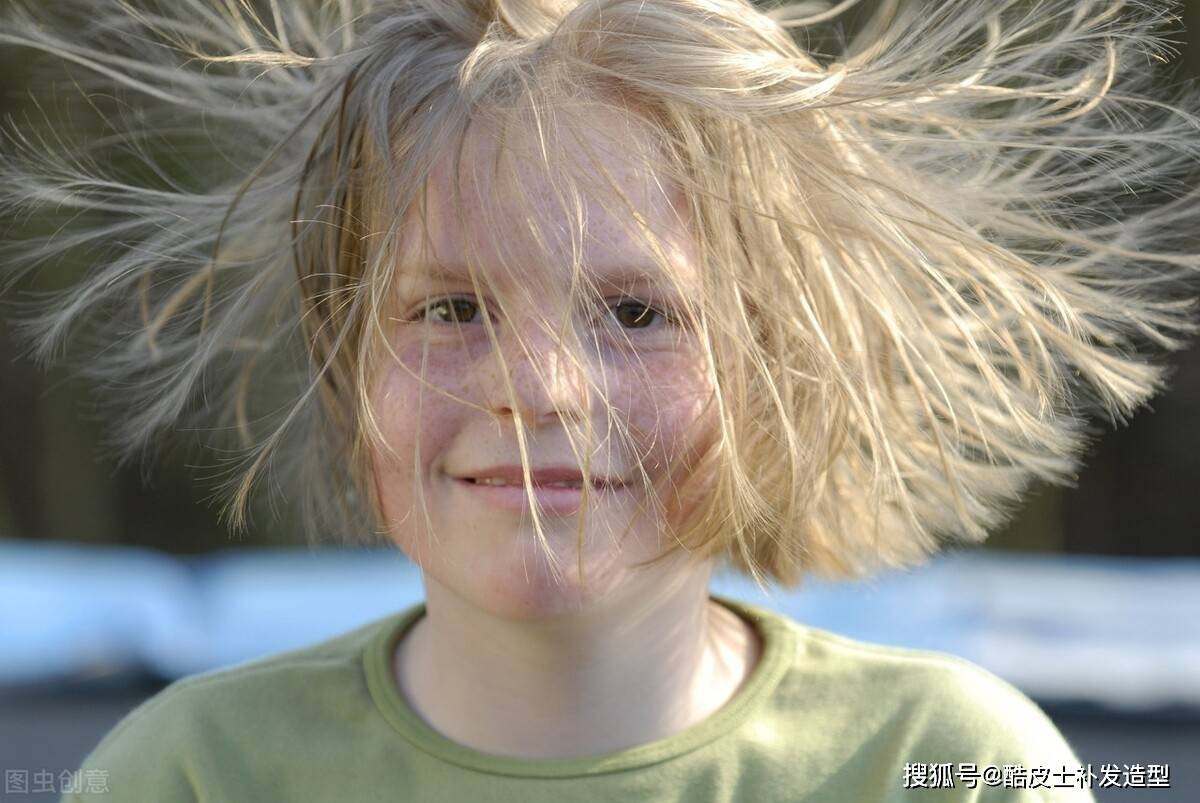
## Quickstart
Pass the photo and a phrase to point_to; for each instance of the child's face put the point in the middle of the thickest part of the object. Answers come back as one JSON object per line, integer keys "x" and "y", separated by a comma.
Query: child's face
{"x": 657, "y": 383}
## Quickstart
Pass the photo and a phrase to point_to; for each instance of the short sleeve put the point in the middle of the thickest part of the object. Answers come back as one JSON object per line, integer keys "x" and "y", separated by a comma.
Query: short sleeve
{"x": 143, "y": 759}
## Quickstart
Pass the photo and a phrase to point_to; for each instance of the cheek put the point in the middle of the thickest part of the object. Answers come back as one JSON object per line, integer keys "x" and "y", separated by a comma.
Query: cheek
{"x": 668, "y": 409}
{"x": 673, "y": 418}
{"x": 400, "y": 395}
{"x": 416, "y": 422}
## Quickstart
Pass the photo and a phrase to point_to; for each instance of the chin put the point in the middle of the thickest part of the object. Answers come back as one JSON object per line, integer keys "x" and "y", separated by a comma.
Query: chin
{"x": 506, "y": 574}
{"x": 538, "y": 594}
{"x": 527, "y": 591}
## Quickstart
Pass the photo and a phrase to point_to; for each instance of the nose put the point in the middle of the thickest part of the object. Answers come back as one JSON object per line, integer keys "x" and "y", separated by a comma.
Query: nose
{"x": 549, "y": 383}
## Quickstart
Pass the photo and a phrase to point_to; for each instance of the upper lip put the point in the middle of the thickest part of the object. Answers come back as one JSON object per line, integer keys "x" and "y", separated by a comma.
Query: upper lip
{"x": 539, "y": 476}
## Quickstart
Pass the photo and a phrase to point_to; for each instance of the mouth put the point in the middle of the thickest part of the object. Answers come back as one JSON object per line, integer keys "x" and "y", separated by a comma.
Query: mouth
{"x": 563, "y": 497}
{"x": 577, "y": 485}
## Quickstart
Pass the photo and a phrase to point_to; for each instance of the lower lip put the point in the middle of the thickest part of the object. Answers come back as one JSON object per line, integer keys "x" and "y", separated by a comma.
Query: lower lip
{"x": 550, "y": 500}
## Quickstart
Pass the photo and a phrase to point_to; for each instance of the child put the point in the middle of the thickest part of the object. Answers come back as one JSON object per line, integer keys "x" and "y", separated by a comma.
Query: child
{"x": 574, "y": 299}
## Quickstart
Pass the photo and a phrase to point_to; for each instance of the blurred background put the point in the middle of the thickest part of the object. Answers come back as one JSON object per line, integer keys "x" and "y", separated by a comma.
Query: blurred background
{"x": 116, "y": 580}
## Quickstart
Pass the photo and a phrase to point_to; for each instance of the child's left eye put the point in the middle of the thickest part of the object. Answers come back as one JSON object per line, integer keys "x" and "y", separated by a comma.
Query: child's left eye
{"x": 637, "y": 315}
{"x": 450, "y": 310}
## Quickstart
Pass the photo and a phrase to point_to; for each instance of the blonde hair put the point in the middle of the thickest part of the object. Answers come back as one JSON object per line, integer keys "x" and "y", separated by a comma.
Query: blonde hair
{"x": 926, "y": 257}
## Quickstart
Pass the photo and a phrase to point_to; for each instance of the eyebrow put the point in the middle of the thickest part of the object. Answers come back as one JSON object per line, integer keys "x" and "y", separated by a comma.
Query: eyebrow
{"x": 614, "y": 276}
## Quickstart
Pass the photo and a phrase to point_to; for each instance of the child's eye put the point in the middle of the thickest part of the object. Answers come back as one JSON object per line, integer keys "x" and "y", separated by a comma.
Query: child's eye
{"x": 448, "y": 310}
{"x": 636, "y": 315}
{"x": 629, "y": 314}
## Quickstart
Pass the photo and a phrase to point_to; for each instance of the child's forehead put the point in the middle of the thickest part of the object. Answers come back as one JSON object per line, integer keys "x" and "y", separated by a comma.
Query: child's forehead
{"x": 527, "y": 199}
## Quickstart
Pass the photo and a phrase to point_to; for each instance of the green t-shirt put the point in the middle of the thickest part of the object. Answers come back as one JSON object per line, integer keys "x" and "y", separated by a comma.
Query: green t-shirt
{"x": 821, "y": 718}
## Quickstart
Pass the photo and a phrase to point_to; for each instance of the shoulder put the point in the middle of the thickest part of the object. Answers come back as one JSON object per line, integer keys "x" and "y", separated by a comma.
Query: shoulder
{"x": 915, "y": 676}
{"x": 896, "y": 707}
{"x": 163, "y": 749}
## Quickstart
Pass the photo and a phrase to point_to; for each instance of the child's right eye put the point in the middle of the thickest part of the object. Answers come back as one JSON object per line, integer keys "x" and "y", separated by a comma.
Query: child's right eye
{"x": 448, "y": 310}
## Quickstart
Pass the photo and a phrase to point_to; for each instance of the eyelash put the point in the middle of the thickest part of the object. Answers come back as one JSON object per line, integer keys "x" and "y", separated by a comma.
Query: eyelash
{"x": 668, "y": 317}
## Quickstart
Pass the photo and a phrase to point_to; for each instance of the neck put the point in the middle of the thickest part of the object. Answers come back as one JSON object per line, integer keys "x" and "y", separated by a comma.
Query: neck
{"x": 572, "y": 686}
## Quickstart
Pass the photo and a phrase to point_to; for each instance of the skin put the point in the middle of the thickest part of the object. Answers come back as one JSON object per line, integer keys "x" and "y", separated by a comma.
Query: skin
{"x": 510, "y": 658}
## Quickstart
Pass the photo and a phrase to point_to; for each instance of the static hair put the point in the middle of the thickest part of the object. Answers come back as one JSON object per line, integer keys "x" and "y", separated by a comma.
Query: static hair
{"x": 928, "y": 255}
